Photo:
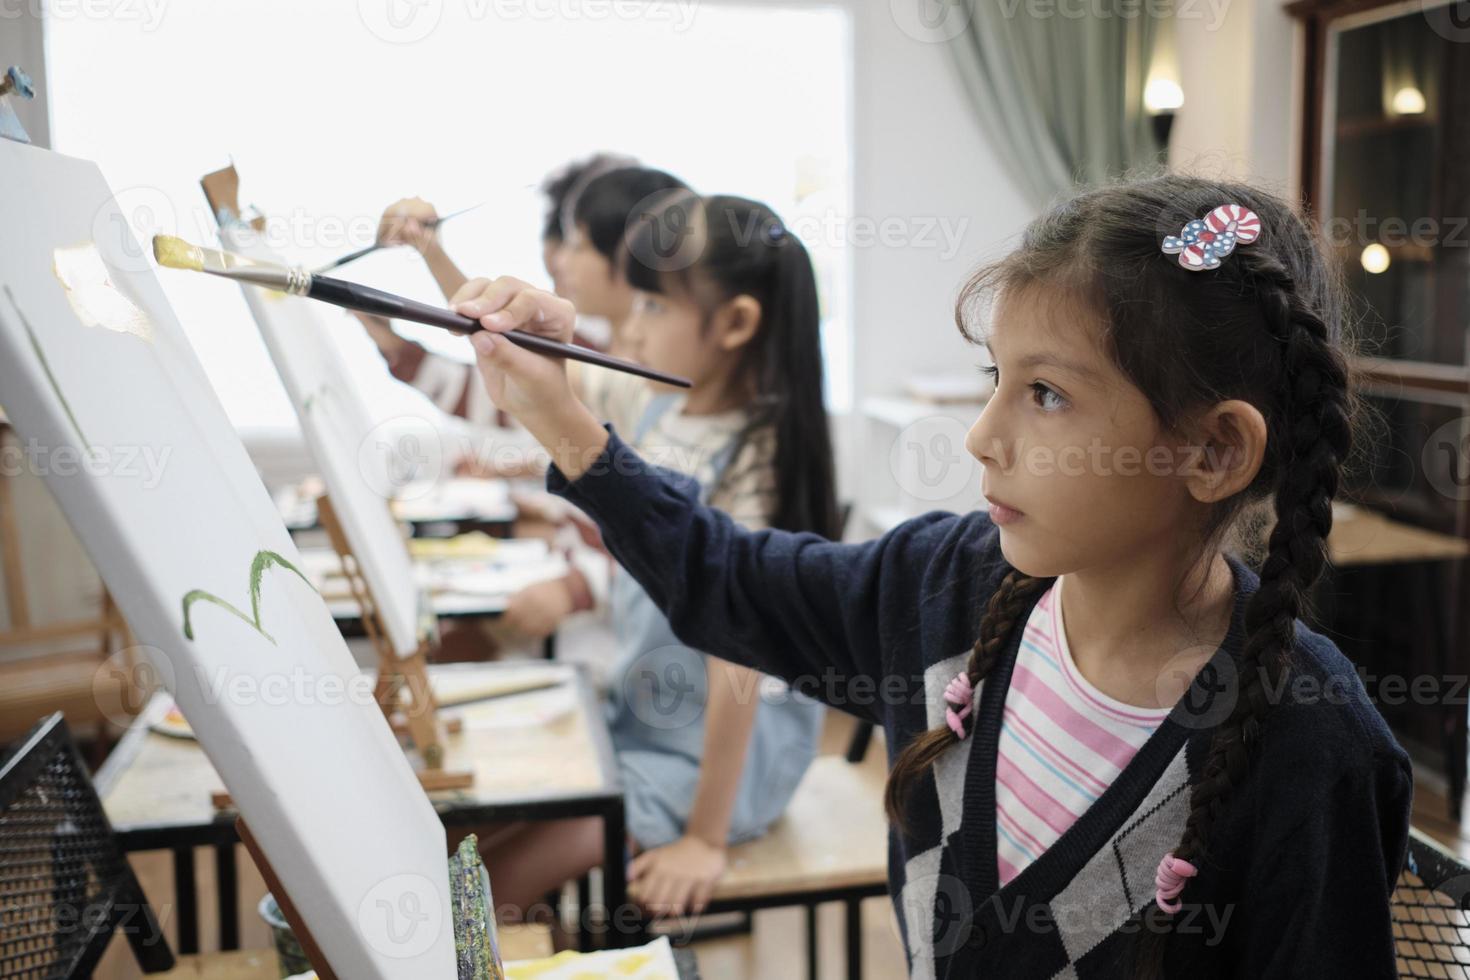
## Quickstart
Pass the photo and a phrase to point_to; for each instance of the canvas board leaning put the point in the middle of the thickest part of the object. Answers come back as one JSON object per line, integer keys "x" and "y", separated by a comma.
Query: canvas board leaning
{"x": 355, "y": 464}
{"x": 95, "y": 369}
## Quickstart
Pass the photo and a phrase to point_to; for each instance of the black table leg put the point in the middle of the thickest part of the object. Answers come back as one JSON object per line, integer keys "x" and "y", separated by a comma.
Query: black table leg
{"x": 584, "y": 911}
{"x": 228, "y": 887}
{"x": 854, "y": 939}
{"x": 186, "y": 897}
{"x": 615, "y": 880}
{"x": 811, "y": 941}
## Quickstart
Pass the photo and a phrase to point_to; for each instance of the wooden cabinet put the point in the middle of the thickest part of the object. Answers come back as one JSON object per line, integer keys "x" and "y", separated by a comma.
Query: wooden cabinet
{"x": 1385, "y": 166}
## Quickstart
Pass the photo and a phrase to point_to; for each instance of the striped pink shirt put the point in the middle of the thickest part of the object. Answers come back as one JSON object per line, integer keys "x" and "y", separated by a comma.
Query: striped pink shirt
{"x": 1062, "y": 741}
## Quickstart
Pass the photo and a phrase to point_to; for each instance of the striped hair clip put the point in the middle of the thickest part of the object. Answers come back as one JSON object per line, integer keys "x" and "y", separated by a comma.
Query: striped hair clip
{"x": 1203, "y": 242}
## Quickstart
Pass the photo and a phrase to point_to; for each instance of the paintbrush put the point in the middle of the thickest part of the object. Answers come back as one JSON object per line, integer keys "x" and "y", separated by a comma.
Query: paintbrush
{"x": 175, "y": 253}
{"x": 354, "y": 256}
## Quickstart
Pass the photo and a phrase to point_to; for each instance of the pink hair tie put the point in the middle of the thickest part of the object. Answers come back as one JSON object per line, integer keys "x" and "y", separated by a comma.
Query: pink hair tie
{"x": 960, "y": 696}
{"x": 1169, "y": 881}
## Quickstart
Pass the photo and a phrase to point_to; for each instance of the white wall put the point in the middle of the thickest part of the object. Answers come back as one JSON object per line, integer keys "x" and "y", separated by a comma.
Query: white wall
{"x": 1242, "y": 93}
{"x": 918, "y": 158}
{"x": 919, "y": 155}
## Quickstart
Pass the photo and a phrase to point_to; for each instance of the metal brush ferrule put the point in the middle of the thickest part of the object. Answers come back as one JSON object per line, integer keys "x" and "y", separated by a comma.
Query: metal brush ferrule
{"x": 298, "y": 282}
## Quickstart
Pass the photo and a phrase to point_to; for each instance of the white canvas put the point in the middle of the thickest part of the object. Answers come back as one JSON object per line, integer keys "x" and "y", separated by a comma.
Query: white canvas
{"x": 354, "y": 463}
{"x": 270, "y": 689}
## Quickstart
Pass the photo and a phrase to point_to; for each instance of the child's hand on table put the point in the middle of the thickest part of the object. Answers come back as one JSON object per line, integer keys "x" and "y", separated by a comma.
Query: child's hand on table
{"x": 537, "y": 610}
{"x": 677, "y": 878}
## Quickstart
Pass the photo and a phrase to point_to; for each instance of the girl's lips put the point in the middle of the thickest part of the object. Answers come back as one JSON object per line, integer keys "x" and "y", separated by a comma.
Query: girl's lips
{"x": 1002, "y": 514}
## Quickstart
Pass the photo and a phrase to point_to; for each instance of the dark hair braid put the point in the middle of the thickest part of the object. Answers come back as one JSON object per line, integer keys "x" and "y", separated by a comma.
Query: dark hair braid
{"x": 1313, "y": 437}
{"x": 1009, "y": 600}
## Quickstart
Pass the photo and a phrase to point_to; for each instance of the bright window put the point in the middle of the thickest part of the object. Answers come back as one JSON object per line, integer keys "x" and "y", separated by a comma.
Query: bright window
{"x": 331, "y": 111}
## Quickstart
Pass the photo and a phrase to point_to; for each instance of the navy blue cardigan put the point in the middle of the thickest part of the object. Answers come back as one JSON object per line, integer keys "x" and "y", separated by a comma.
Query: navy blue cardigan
{"x": 1301, "y": 864}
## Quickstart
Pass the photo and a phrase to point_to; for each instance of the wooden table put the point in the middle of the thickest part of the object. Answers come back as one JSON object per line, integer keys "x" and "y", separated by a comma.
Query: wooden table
{"x": 322, "y": 568}
{"x": 449, "y": 506}
{"x": 1365, "y": 537}
{"x": 156, "y": 788}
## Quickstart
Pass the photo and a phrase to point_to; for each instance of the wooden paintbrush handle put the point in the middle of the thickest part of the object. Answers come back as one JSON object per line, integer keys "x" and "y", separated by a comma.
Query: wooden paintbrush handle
{"x": 355, "y": 296}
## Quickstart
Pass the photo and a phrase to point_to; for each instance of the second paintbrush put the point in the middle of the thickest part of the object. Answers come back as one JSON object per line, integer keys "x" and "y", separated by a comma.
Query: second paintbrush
{"x": 175, "y": 253}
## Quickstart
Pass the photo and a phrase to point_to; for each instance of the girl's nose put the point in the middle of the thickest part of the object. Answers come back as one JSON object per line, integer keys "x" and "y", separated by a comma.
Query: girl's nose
{"x": 985, "y": 439}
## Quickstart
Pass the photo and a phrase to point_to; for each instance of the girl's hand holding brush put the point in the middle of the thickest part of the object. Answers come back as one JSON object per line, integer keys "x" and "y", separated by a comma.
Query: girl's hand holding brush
{"x": 531, "y": 388}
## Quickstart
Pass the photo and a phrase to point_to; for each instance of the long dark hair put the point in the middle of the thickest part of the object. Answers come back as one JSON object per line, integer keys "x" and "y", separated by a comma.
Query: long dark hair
{"x": 714, "y": 249}
{"x": 1269, "y": 327}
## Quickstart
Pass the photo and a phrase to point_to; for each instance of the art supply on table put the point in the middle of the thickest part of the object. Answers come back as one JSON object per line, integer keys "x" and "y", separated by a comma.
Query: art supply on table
{"x": 477, "y": 544}
{"x": 175, "y": 253}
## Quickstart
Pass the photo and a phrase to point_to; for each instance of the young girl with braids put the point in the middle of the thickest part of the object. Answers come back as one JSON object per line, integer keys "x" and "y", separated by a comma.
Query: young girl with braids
{"x": 708, "y": 752}
{"x": 1116, "y": 749}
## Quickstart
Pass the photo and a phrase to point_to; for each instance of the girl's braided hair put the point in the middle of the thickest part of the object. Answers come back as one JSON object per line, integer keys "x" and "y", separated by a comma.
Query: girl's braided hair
{"x": 1267, "y": 327}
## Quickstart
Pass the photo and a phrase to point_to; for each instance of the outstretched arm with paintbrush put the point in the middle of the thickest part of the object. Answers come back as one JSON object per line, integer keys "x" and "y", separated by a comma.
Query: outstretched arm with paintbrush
{"x": 414, "y": 222}
{"x": 446, "y": 382}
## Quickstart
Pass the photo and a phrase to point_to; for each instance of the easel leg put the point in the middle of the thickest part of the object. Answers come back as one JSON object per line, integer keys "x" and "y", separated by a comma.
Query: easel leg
{"x": 288, "y": 908}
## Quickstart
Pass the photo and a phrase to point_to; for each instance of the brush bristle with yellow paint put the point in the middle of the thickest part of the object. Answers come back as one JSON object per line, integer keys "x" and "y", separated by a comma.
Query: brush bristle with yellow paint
{"x": 175, "y": 253}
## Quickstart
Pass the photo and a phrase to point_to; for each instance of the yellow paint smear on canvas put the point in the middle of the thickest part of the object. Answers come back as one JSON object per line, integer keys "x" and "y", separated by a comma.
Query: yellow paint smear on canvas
{"x": 94, "y": 297}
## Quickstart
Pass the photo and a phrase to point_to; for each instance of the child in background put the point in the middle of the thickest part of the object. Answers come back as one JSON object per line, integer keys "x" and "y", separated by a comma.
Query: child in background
{"x": 1145, "y": 765}
{"x": 709, "y": 752}
{"x": 589, "y": 206}
{"x": 585, "y": 219}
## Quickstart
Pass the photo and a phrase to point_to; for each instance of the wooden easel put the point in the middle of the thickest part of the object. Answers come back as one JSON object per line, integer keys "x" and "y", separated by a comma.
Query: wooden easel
{"x": 396, "y": 674}
{"x": 222, "y": 191}
{"x": 288, "y": 908}
{"x": 463, "y": 928}
{"x": 419, "y": 717}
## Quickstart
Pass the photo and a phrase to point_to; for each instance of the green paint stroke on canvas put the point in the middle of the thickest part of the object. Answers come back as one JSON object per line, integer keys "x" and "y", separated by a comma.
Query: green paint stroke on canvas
{"x": 316, "y": 397}
{"x": 46, "y": 366}
{"x": 263, "y": 560}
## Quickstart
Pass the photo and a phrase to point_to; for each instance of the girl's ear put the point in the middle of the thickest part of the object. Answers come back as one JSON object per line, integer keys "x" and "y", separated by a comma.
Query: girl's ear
{"x": 1229, "y": 449}
{"x": 736, "y": 322}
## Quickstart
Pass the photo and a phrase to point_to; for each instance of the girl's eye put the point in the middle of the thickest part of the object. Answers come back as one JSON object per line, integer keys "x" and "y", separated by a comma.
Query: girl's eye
{"x": 1040, "y": 392}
